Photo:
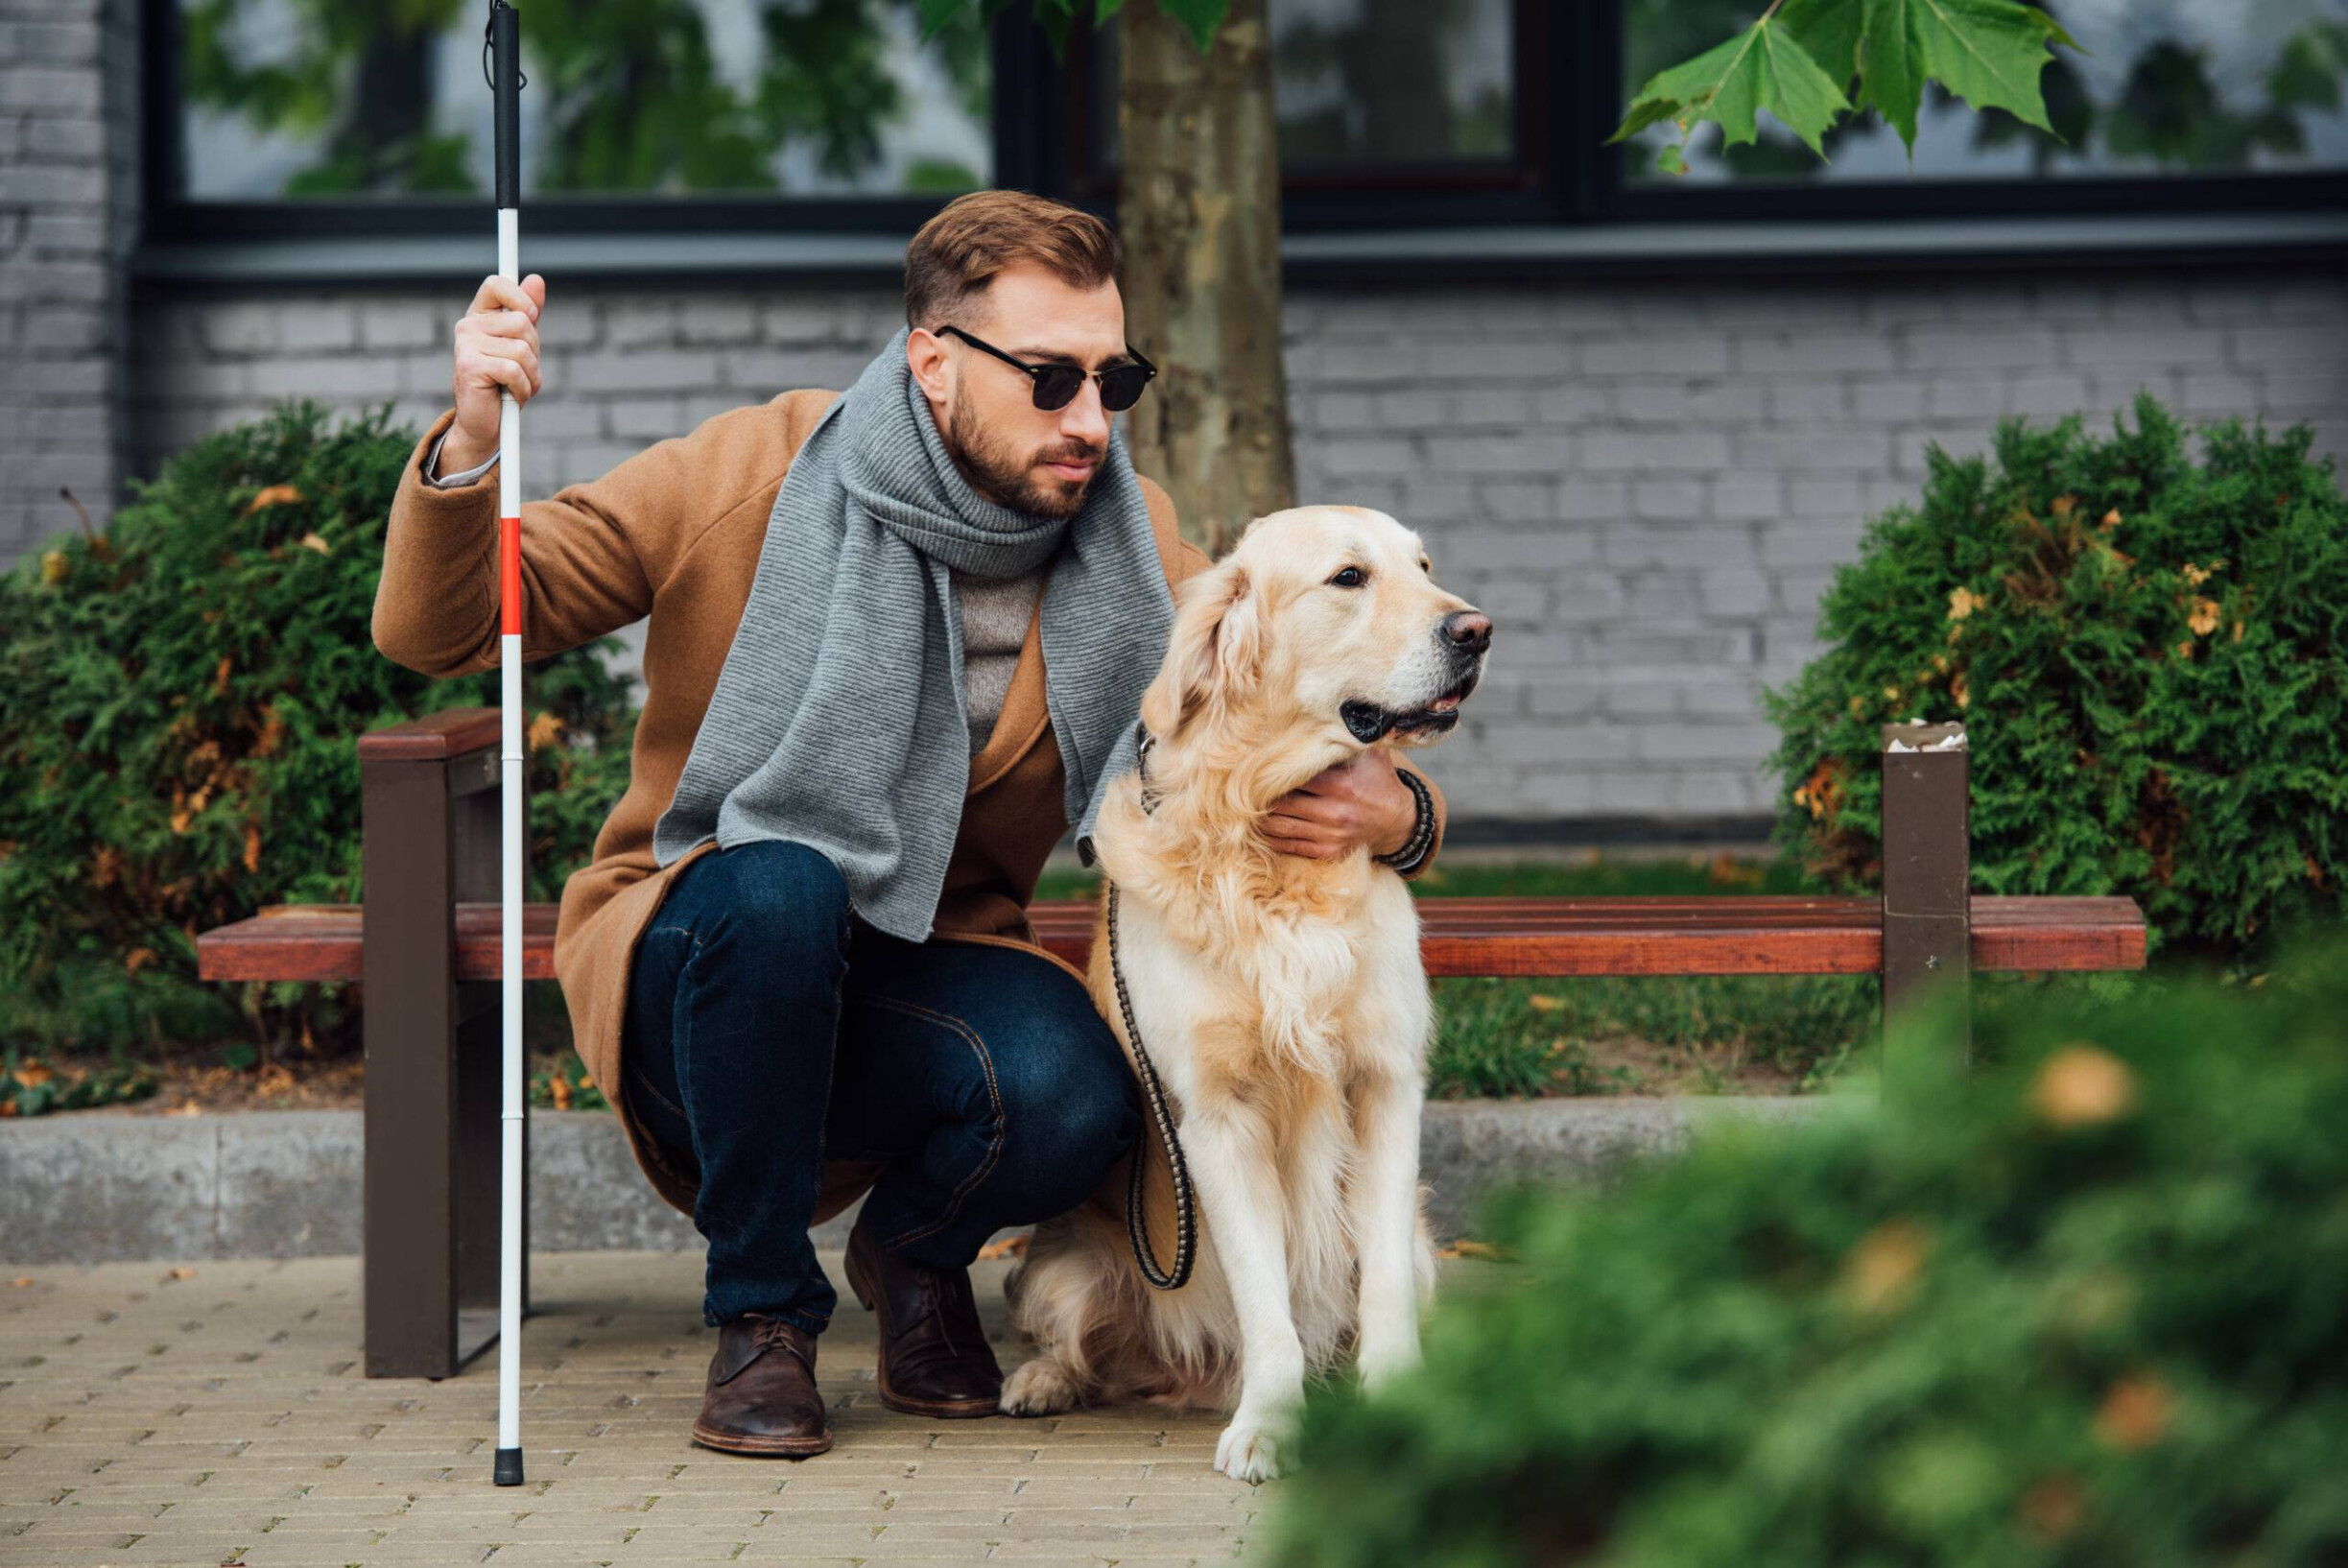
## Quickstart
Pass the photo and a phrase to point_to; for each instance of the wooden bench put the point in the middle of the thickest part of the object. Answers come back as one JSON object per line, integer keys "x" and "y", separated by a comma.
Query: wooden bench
{"x": 426, "y": 946}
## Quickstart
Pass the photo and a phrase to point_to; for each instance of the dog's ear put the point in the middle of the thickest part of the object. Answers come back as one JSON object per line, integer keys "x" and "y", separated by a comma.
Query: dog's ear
{"x": 1217, "y": 647}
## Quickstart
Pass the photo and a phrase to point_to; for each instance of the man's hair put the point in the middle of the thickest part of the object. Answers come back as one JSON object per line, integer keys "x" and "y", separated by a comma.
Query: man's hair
{"x": 957, "y": 254}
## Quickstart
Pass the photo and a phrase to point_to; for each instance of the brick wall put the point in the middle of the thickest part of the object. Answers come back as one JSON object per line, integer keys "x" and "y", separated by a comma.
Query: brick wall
{"x": 68, "y": 213}
{"x": 1646, "y": 485}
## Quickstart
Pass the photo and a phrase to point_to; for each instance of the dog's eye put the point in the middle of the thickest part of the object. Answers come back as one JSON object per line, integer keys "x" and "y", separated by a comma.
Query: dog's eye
{"x": 1352, "y": 577}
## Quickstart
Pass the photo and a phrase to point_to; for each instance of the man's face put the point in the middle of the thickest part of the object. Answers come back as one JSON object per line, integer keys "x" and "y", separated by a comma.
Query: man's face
{"x": 1037, "y": 461}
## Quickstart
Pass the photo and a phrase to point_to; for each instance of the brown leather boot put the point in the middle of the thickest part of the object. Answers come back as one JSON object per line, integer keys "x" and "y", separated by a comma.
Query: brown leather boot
{"x": 762, "y": 1397}
{"x": 935, "y": 1358}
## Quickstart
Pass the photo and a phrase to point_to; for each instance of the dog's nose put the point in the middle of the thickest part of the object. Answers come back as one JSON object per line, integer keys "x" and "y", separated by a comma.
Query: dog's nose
{"x": 1469, "y": 629}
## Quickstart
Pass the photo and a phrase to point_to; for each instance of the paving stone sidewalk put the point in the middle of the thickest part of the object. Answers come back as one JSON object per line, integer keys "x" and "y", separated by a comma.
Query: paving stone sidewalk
{"x": 222, "y": 1418}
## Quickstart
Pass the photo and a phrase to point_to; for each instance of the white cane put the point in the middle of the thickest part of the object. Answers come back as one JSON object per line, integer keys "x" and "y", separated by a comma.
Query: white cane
{"x": 506, "y": 51}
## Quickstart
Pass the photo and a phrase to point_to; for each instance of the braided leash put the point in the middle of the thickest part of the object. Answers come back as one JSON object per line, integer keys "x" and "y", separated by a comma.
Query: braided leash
{"x": 1186, "y": 1211}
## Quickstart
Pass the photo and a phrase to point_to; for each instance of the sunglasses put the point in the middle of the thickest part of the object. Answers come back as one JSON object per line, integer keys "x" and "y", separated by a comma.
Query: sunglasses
{"x": 1057, "y": 385}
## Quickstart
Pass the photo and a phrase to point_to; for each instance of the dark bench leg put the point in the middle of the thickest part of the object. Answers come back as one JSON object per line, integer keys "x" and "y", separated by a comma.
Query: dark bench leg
{"x": 434, "y": 1073}
{"x": 1927, "y": 869}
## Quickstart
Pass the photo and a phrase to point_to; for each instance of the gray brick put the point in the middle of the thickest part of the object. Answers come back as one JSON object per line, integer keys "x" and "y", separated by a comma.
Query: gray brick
{"x": 648, "y": 418}
{"x": 1573, "y": 404}
{"x": 1659, "y": 353}
{"x": 762, "y": 372}
{"x": 1585, "y": 501}
{"x": 2046, "y": 396}
{"x": 2015, "y": 349}
{"x": 241, "y": 328}
{"x": 327, "y": 380}
{"x": 1632, "y": 452}
{"x": 59, "y": 330}
{"x": 647, "y": 370}
{"x": 55, "y": 43}
{"x": 1351, "y": 454}
{"x": 42, "y": 283}
{"x": 1353, "y": 411}
{"x": 1520, "y": 501}
{"x": 1721, "y": 700}
{"x": 1731, "y": 592}
{"x": 2295, "y": 348}
{"x": 1499, "y": 453}
{"x": 1813, "y": 451}
{"x": 1499, "y": 358}
{"x": 407, "y": 324}
{"x": 1745, "y": 496}
{"x": 1637, "y": 699}
{"x": 816, "y": 322}
{"x": 1633, "y": 545}
{"x": 1810, "y": 353}
{"x": 312, "y": 327}
{"x": 2220, "y": 392}
{"x": 1802, "y": 400}
{"x": 1706, "y": 793}
{"x": 1716, "y": 741}
{"x": 59, "y": 236}
{"x": 2143, "y": 346}
{"x": 66, "y": 138}
{"x": 716, "y": 321}
{"x": 1669, "y": 500}
{"x": 635, "y": 323}
{"x": 38, "y": 90}
{"x": 1961, "y": 397}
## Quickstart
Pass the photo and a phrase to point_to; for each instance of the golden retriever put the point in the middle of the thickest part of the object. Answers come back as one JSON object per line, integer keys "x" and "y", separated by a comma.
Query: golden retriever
{"x": 1280, "y": 996}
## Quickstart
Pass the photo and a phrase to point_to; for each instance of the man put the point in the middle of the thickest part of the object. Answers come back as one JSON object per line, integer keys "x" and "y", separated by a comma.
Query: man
{"x": 896, "y": 645}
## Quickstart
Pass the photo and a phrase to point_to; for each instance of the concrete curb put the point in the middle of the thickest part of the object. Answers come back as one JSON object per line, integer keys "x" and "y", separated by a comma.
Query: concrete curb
{"x": 111, "y": 1187}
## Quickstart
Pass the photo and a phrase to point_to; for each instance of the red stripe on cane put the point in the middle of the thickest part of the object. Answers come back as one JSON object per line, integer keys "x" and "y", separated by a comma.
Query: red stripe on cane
{"x": 510, "y": 575}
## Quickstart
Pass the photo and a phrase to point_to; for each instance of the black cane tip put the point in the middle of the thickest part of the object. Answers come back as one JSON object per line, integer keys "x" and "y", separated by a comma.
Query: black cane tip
{"x": 509, "y": 1467}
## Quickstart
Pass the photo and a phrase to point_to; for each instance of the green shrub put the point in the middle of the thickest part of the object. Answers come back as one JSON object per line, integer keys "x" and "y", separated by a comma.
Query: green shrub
{"x": 2148, "y": 659}
{"x": 2083, "y": 1309}
{"x": 180, "y": 699}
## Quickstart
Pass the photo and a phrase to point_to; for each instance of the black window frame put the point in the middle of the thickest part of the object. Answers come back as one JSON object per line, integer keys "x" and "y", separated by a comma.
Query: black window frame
{"x": 1024, "y": 155}
{"x": 1570, "y": 87}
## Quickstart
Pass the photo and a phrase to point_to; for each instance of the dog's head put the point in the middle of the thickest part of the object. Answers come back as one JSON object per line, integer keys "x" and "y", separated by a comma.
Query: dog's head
{"x": 1321, "y": 622}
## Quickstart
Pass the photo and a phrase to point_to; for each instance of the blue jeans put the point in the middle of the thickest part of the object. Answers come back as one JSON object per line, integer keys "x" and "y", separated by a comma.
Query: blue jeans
{"x": 769, "y": 1027}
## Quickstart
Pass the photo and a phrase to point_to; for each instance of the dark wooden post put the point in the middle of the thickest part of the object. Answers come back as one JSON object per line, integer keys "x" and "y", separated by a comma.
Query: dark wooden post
{"x": 430, "y": 827}
{"x": 1928, "y": 867}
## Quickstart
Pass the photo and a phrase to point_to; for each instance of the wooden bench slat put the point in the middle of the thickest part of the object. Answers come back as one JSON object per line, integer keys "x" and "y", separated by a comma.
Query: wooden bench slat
{"x": 1457, "y": 937}
{"x": 451, "y": 732}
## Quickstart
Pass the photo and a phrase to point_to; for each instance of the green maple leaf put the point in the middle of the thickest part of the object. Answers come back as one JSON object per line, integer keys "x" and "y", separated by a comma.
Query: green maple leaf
{"x": 1762, "y": 67}
{"x": 1799, "y": 60}
{"x": 1989, "y": 53}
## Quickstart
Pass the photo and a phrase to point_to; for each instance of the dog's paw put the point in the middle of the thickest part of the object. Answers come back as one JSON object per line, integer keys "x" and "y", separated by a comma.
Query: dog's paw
{"x": 1250, "y": 1451}
{"x": 1039, "y": 1387}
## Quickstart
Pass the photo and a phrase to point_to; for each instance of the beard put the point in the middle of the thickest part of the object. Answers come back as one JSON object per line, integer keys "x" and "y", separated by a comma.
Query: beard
{"x": 999, "y": 473}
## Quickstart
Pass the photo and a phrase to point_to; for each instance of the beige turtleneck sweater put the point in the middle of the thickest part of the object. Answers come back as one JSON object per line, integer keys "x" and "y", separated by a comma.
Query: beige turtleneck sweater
{"x": 995, "y": 618}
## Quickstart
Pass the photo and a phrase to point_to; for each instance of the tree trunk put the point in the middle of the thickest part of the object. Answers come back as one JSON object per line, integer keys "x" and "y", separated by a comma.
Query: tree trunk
{"x": 1199, "y": 212}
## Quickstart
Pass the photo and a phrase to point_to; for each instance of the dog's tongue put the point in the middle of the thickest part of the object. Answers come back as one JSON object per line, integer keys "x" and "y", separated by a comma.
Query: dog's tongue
{"x": 1444, "y": 705}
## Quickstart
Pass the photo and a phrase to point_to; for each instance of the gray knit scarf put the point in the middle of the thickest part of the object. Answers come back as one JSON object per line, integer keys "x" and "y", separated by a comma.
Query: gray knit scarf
{"x": 837, "y": 720}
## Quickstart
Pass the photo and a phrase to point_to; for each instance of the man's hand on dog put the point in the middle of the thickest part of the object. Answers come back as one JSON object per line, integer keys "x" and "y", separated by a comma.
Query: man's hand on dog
{"x": 1360, "y": 801}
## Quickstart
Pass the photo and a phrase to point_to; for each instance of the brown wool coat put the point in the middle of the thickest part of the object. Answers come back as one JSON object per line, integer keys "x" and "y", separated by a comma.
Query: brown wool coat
{"x": 673, "y": 534}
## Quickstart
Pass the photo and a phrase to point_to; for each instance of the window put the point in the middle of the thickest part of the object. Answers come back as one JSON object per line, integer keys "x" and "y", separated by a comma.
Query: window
{"x": 2160, "y": 94}
{"x": 326, "y": 111}
{"x": 1439, "y": 101}
{"x": 797, "y": 119}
